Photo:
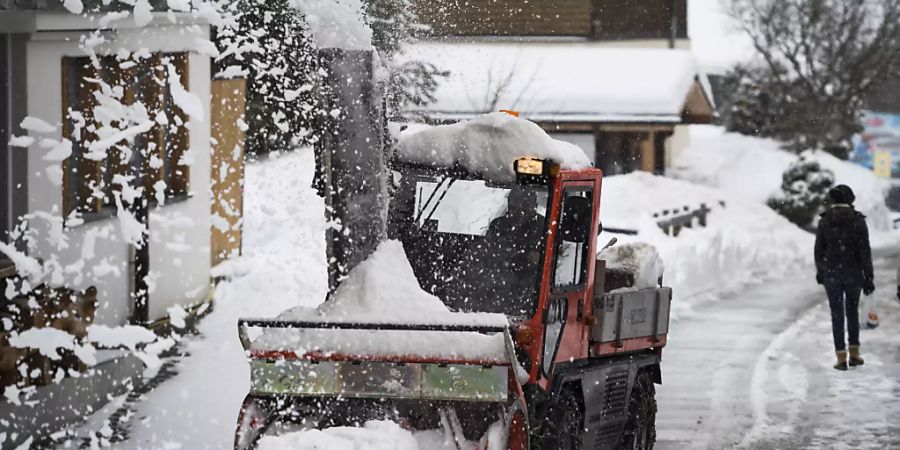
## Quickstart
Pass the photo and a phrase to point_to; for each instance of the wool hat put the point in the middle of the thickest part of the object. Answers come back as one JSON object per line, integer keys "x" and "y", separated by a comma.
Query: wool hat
{"x": 841, "y": 194}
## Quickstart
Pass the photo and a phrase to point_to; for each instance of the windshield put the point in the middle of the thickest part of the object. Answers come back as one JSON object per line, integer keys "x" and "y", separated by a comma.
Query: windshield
{"x": 477, "y": 247}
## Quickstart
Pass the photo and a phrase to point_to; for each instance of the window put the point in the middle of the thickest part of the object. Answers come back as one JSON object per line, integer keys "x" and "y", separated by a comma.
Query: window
{"x": 153, "y": 160}
{"x": 574, "y": 237}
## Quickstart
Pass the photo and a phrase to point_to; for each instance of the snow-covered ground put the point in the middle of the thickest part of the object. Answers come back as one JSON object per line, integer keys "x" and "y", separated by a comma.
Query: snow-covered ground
{"x": 767, "y": 381}
{"x": 764, "y": 342}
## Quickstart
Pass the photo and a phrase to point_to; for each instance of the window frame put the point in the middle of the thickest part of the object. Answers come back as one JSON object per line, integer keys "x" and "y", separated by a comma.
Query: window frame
{"x": 555, "y": 289}
{"x": 150, "y": 85}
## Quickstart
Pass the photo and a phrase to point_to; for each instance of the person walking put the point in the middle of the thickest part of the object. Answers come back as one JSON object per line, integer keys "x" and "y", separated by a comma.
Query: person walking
{"x": 844, "y": 267}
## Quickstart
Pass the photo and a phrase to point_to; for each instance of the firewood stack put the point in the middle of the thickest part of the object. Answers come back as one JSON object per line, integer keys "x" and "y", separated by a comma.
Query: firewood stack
{"x": 60, "y": 308}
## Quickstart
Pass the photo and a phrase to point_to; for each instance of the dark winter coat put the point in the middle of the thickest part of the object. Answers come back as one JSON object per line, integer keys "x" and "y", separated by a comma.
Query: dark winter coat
{"x": 842, "y": 246}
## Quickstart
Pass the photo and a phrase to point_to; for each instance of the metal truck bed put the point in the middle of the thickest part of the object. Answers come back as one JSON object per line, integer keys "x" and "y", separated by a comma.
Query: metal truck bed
{"x": 630, "y": 320}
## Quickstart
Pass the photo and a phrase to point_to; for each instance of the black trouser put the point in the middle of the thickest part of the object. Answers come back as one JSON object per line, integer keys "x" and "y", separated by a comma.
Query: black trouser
{"x": 843, "y": 297}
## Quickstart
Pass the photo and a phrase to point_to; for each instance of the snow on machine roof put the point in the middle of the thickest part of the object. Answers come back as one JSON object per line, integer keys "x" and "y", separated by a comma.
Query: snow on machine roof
{"x": 488, "y": 145}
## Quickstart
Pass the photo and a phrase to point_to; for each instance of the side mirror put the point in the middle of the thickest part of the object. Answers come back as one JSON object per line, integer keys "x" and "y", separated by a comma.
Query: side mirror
{"x": 575, "y": 223}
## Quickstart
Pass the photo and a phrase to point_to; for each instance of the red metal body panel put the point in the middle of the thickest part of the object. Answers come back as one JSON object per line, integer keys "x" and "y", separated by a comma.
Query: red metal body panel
{"x": 629, "y": 345}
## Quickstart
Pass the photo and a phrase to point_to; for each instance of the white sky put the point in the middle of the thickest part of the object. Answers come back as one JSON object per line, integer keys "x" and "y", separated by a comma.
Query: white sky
{"x": 717, "y": 41}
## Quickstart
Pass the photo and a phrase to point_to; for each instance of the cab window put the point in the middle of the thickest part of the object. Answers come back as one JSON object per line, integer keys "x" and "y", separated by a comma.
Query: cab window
{"x": 572, "y": 243}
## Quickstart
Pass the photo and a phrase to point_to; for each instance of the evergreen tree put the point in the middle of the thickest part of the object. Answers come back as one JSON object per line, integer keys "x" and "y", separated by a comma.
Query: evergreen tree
{"x": 281, "y": 67}
{"x": 804, "y": 187}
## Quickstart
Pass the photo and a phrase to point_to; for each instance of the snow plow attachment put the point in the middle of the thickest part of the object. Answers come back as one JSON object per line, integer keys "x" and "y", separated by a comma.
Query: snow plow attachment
{"x": 307, "y": 385}
{"x": 448, "y": 378}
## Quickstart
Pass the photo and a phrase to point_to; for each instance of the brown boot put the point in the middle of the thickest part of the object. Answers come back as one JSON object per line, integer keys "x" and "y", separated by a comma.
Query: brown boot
{"x": 841, "y": 360}
{"x": 855, "y": 358}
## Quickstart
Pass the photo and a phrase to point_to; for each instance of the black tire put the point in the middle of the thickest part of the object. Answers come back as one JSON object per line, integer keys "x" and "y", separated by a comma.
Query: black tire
{"x": 640, "y": 428}
{"x": 564, "y": 426}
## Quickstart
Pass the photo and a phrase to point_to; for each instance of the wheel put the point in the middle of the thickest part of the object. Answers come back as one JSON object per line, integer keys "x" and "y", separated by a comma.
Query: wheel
{"x": 640, "y": 428}
{"x": 564, "y": 425}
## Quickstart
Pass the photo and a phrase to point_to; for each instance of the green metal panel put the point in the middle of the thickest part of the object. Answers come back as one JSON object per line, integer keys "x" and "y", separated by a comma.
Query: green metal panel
{"x": 379, "y": 380}
{"x": 471, "y": 383}
{"x": 292, "y": 377}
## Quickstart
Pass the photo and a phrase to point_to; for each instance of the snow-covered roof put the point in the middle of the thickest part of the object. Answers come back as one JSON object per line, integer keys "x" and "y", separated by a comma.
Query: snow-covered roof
{"x": 564, "y": 81}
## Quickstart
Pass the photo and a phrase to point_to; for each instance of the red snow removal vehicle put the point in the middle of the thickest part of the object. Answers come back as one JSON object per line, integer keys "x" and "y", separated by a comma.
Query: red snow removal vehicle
{"x": 487, "y": 318}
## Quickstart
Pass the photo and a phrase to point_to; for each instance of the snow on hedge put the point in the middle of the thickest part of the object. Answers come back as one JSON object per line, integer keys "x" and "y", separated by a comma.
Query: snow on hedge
{"x": 383, "y": 290}
{"x": 488, "y": 144}
{"x": 744, "y": 242}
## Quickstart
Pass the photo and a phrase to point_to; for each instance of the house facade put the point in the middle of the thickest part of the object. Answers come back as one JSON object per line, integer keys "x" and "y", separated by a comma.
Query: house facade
{"x": 63, "y": 78}
{"x": 615, "y": 77}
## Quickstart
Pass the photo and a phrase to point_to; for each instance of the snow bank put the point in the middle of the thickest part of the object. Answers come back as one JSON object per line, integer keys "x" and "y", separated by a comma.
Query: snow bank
{"x": 336, "y": 23}
{"x": 751, "y": 168}
{"x": 638, "y": 258}
{"x": 383, "y": 289}
{"x": 744, "y": 241}
{"x": 374, "y": 435}
{"x": 488, "y": 144}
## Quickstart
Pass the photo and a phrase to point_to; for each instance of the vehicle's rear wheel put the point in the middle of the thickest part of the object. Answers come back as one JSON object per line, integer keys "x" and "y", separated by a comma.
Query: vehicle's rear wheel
{"x": 640, "y": 428}
{"x": 564, "y": 427}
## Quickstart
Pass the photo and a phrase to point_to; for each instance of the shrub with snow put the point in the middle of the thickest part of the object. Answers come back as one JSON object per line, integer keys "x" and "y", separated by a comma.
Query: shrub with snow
{"x": 804, "y": 186}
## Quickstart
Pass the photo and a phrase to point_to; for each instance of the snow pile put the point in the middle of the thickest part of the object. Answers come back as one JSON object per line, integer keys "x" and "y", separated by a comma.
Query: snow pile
{"x": 743, "y": 242}
{"x": 559, "y": 80}
{"x": 383, "y": 289}
{"x": 638, "y": 258}
{"x": 374, "y": 435}
{"x": 336, "y": 23}
{"x": 751, "y": 168}
{"x": 488, "y": 144}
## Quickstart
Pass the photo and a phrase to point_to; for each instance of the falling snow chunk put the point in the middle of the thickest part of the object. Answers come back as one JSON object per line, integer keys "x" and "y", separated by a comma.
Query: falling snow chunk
{"x": 60, "y": 151}
{"x": 232, "y": 72}
{"x": 179, "y": 5}
{"x": 37, "y": 125}
{"x": 112, "y": 17}
{"x": 143, "y": 13}
{"x": 54, "y": 174}
{"x": 25, "y": 264}
{"x": 177, "y": 316}
{"x": 21, "y": 141}
{"x": 206, "y": 47}
{"x": 187, "y": 101}
{"x": 74, "y": 6}
{"x": 45, "y": 340}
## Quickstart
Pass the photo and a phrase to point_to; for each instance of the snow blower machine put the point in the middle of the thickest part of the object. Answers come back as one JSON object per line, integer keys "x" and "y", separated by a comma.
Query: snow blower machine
{"x": 534, "y": 343}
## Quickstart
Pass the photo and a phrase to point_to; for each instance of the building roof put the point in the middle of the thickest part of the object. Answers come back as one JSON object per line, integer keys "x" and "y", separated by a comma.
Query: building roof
{"x": 567, "y": 82}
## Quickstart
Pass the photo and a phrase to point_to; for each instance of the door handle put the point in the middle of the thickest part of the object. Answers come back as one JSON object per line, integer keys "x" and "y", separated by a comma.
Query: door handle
{"x": 580, "y": 309}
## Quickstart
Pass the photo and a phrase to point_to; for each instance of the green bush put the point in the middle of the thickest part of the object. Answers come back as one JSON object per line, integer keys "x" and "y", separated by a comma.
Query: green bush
{"x": 804, "y": 187}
